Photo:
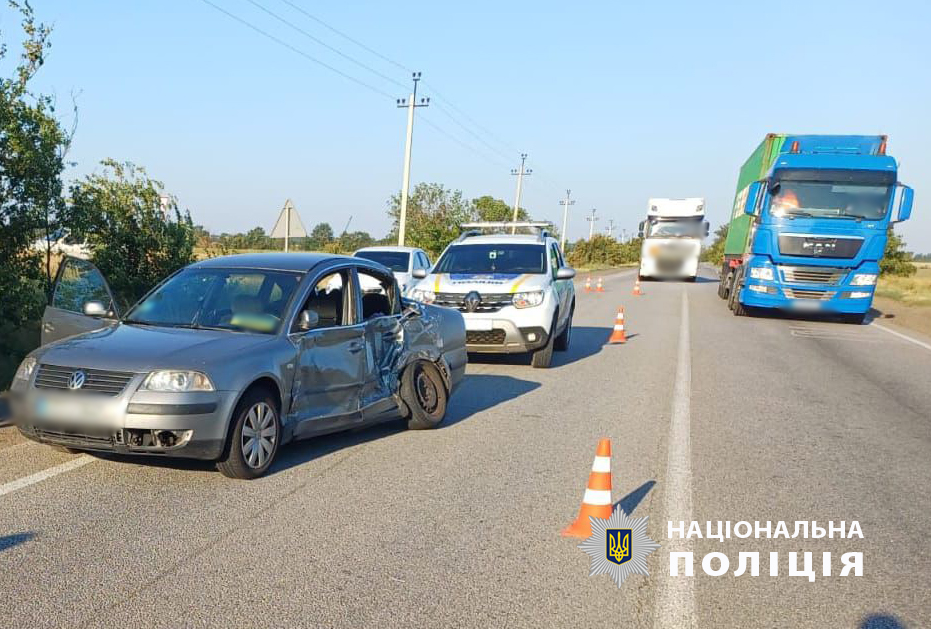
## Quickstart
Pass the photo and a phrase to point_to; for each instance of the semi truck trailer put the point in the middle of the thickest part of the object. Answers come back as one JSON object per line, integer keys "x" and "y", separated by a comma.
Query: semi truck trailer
{"x": 809, "y": 224}
{"x": 672, "y": 235}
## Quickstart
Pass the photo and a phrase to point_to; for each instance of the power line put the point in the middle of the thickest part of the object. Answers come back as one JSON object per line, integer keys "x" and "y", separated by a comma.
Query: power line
{"x": 325, "y": 45}
{"x": 281, "y": 42}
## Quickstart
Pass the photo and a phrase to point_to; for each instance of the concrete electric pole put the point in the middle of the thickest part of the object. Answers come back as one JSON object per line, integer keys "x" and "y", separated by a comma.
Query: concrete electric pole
{"x": 591, "y": 224}
{"x": 521, "y": 173}
{"x": 609, "y": 228}
{"x": 565, "y": 219}
{"x": 410, "y": 103}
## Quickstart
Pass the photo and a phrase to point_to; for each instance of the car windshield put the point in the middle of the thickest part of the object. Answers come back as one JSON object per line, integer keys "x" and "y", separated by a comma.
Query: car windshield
{"x": 493, "y": 258}
{"x": 826, "y": 199}
{"x": 397, "y": 261}
{"x": 676, "y": 229}
{"x": 226, "y": 299}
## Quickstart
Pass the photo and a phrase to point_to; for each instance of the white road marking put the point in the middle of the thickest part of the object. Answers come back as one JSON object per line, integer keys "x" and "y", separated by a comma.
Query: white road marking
{"x": 675, "y": 603}
{"x": 902, "y": 336}
{"x": 38, "y": 477}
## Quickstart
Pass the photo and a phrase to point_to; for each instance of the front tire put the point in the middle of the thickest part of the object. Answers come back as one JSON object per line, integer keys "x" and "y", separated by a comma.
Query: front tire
{"x": 734, "y": 297}
{"x": 424, "y": 392}
{"x": 254, "y": 438}
{"x": 562, "y": 341}
{"x": 543, "y": 357}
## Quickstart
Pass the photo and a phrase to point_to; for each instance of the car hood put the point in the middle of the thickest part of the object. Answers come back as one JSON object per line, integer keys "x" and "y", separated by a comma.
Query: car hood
{"x": 127, "y": 347}
{"x": 483, "y": 282}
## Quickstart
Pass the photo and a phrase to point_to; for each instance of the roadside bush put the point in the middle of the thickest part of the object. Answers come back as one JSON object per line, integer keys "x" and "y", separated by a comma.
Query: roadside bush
{"x": 896, "y": 260}
{"x": 714, "y": 253}
{"x": 603, "y": 251}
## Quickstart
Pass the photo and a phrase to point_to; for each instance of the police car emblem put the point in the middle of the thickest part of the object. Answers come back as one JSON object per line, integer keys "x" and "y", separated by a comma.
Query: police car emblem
{"x": 619, "y": 546}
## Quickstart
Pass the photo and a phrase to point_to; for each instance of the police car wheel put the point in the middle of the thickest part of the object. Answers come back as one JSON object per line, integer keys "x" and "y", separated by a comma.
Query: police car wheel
{"x": 542, "y": 358}
{"x": 564, "y": 338}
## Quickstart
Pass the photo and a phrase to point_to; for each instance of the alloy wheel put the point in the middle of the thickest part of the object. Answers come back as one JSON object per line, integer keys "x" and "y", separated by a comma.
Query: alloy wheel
{"x": 259, "y": 435}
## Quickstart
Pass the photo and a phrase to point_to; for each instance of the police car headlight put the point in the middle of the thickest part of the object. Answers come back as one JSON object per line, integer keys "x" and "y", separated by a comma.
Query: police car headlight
{"x": 864, "y": 279}
{"x": 24, "y": 372}
{"x": 177, "y": 381}
{"x": 528, "y": 299}
{"x": 424, "y": 296}
{"x": 762, "y": 273}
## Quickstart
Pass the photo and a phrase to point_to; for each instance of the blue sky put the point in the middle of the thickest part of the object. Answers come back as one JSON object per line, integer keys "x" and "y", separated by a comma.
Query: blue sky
{"x": 617, "y": 101}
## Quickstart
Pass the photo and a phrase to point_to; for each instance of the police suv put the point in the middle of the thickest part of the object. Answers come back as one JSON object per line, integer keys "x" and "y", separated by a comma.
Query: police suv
{"x": 514, "y": 290}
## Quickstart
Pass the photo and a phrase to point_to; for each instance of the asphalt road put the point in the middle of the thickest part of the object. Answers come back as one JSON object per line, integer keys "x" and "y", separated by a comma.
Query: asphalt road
{"x": 724, "y": 419}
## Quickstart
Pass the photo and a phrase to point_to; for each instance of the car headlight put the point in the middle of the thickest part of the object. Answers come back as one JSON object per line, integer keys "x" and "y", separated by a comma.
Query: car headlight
{"x": 864, "y": 279}
{"x": 762, "y": 273}
{"x": 177, "y": 381}
{"x": 423, "y": 295}
{"x": 24, "y": 372}
{"x": 528, "y": 299}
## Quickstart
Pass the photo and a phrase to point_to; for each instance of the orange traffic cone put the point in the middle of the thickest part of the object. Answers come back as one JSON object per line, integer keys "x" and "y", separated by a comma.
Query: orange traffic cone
{"x": 618, "y": 335}
{"x": 588, "y": 284}
{"x": 637, "y": 290}
{"x": 600, "y": 287}
{"x": 597, "y": 500}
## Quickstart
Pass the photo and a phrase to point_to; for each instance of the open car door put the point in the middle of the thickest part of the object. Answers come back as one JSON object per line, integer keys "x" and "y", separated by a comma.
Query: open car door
{"x": 81, "y": 301}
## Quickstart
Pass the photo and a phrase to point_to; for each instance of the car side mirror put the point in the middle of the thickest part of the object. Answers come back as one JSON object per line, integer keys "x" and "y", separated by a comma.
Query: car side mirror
{"x": 753, "y": 193}
{"x": 307, "y": 320}
{"x": 565, "y": 273}
{"x": 95, "y": 309}
{"x": 419, "y": 273}
{"x": 905, "y": 204}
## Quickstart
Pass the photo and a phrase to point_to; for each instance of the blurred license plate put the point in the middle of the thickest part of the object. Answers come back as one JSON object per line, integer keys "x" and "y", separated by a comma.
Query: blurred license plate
{"x": 806, "y": 304}
{"x": 479, "y": 325}
{"x": 58, "y": 409}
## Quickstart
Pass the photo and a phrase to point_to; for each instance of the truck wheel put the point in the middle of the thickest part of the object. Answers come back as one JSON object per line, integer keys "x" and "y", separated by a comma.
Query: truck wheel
{"x": 542, "y": 358}
{"x": 734, "y": 296}
{"x": 424, "y": 392}
{"x": 723, "y": 284}
{"x": 254, "y": 438}
{"x": 562, "y": 341}
{"x": 855, "y": 319}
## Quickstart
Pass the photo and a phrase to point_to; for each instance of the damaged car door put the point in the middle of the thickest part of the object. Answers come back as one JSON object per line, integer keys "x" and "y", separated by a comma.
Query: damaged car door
{"x": 380, "y": 307}
{"x": 326, "y": 390}
{"x": 81, "y": 302}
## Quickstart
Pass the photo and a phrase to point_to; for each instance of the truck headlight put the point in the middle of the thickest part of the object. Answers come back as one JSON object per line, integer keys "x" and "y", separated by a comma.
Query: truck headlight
{"x": 423, "y": 295}
{"x": 528, "y": 299}
{"x": 24, "y": 372}
{"x": 860, "y": 295}
{"x": 762, "y": 273}
{"x": 864, "y": 279}
{"x": 177, "y": 381}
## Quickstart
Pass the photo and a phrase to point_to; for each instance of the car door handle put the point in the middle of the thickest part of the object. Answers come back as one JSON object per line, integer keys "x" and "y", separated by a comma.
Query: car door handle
{"x": 356, "y": 346}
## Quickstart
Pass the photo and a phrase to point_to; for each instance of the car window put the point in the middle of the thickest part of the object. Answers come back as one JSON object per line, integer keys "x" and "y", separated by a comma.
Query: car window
{"x": 554, "y": 260}
{"x": 79, "y": 283}
{"x": 508, "y": 258}
{"x": 425, "y": 260}
{"x": 378, "y": 295}
{"x": 397, "y": 261}
{"x": 329, "y": 299}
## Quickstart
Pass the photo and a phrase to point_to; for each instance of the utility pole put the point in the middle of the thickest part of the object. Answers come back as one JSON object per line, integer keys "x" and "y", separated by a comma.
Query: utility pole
{"x": 609, "y": 228}
{"x": 565, "y": 219}
{"x": 410, "y": 103}
{"x": 591, "y": 224}
{"x": 521, "y": 173}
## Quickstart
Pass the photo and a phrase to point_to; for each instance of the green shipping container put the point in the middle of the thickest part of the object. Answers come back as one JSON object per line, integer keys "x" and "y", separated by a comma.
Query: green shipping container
{"x": 754, "y": 169}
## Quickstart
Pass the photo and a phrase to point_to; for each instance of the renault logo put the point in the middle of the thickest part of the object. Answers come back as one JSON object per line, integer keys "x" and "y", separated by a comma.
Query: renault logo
{"x": 472, "y": 301}
{"x": 77, "y": 380}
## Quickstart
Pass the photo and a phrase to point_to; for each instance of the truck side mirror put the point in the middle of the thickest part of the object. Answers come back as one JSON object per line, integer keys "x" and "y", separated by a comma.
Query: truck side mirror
{"x": 753, "y": 193}
{"x": 905, "y": 204}
{"x": 707, "y": 228}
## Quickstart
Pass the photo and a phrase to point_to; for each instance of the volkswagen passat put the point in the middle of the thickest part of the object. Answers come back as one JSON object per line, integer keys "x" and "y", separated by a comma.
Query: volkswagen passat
{"x": 230, "y": 358}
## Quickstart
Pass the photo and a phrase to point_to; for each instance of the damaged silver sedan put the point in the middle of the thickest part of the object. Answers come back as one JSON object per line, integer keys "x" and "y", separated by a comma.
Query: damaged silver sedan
{"x": 231, "y": 358}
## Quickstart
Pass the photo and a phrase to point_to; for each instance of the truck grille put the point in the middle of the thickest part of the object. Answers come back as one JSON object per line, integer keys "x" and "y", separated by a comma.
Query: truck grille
{"x": 485, "y": 337}
{"x": 812, "y": 275}
{"x": 96, "y": 380}
{"x": 491, "y": 302}
{"x": 795, "y": 293}
{"x": 819, "y": 246}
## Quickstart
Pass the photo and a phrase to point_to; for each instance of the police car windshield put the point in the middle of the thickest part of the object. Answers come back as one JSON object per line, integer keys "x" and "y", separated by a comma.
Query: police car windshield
{"x": 493, "y": 258}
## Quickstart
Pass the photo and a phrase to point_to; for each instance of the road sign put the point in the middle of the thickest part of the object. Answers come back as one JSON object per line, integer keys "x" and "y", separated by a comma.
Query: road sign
{"x": 288, "y": 225}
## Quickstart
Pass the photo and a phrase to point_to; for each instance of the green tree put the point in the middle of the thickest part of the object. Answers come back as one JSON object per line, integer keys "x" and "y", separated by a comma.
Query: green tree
{"x": 136, "y": 242}
{"x": 320, "y": 236}
{"x": 488, "y": 208}
{"x": 604, "y": 251}
{"x": 434, "y": 214}
{"x": 715, "y": 252}
{"x": 351, "y": 241}
{"x": 896, "y": 260}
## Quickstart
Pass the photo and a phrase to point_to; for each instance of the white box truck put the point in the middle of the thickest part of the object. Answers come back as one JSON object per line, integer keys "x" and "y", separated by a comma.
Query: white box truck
{"x": 672, "y": 236}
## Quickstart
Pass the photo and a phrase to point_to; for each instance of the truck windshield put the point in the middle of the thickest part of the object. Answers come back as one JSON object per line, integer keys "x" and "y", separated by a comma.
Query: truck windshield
{"x": 827, "y": 199}
{"x": 676, "y": 229}
{"x": 496, "y": 258}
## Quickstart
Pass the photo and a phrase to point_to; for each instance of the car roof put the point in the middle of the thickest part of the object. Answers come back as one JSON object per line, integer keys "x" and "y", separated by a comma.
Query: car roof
{"x": 514, "y": 239}
{"x": 390, "y": 248}
{"x": 277, "y": 261}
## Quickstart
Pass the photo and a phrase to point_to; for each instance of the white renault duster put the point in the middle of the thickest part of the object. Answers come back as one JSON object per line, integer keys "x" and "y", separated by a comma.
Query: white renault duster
{"x": 514, "y": 290}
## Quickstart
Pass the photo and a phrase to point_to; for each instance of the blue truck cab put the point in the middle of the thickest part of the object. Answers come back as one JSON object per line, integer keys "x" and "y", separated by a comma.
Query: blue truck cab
{"x": 819, "y": 225}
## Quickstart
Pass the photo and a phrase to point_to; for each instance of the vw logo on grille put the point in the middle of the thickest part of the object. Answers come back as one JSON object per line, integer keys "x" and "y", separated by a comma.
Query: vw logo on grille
{"x": 77, "y": 380}
{"x": 472, "y": 301}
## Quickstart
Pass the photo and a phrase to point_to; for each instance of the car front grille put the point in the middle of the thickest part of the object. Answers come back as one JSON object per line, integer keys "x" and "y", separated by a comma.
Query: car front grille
{"x": 95, "y": 381}
{"x": 485, "y": 337}
{"x": 491, "y": 302}
{"x": 812, "y": 275}
{"x": 795, "y": 293}
{"x": 66, "y": 437}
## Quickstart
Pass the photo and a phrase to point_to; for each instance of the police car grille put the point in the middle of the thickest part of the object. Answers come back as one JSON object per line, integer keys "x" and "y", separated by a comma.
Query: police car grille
{"x": 491, "y": 302}
{"x": 485, "y": 337}
{"x": 96, "y": 380}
